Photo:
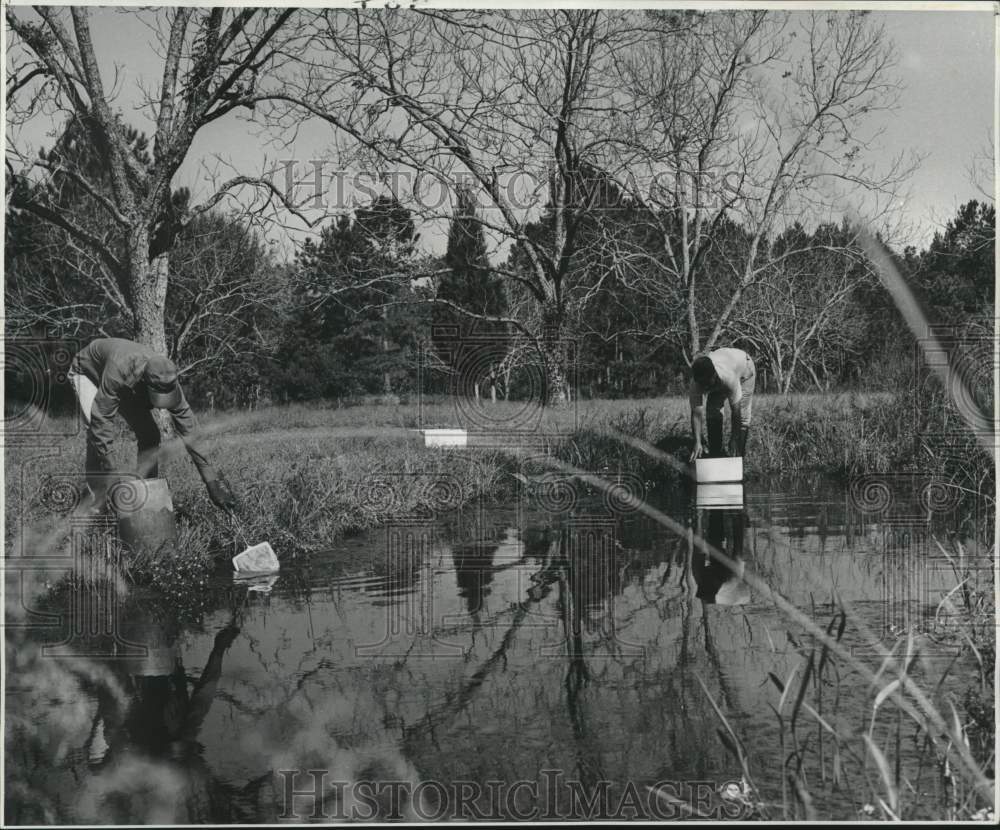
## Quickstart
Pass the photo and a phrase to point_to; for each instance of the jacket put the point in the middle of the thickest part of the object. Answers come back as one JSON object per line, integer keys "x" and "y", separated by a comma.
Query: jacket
{"x": 116, "y": 368}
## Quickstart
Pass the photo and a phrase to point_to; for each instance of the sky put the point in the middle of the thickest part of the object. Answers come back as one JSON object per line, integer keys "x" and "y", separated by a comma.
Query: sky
{"x": 946, "y": 113}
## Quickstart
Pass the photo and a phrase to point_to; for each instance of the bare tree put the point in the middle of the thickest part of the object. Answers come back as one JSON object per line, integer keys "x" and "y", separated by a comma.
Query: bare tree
{"x": 213, "y": 60}
{"x": 511, "y": 105}
{"x": 801, "y": 313}
{"x": 982, "y": 169}
{"x": 222, "y": 292}
{"x": 752, "y": 119}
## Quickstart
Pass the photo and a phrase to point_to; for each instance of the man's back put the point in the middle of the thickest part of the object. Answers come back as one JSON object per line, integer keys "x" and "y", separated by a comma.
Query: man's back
{"x": 126, "y": 359}
{"x": 730, "y": 363}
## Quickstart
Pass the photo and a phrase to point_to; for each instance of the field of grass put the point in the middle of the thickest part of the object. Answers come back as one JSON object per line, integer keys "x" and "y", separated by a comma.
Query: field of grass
{"x": 307, "y": 474}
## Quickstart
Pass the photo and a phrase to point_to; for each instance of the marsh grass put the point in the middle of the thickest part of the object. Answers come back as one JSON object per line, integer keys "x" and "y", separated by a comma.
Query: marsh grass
{"x": 926, "y": 749}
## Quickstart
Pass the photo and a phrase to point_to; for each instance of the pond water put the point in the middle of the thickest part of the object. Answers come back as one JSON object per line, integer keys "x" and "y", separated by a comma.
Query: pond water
{"x": 555, "y": 658}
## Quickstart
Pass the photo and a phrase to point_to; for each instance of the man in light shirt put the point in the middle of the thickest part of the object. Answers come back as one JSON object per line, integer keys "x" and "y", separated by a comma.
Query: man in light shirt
{"x": 720, "y": 376}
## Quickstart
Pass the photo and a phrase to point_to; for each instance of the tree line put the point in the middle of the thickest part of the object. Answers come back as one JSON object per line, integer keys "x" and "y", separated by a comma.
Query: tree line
{"x": 688, "y": 171}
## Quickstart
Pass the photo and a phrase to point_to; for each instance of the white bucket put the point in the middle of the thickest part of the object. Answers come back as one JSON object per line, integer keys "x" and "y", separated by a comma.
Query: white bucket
{"x": 259, "y": 559}
{"x": 719, "y": 495}
{"x": 713, "y": 470}
{"x": 445, "y": 438}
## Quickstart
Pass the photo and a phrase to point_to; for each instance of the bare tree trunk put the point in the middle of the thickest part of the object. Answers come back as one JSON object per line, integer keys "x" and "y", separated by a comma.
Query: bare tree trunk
{"x": 148, "y": 284}
{"x": 791, "y": 370}
{"x": 554, "y": 356}
{"x": 693, "y": 318}
{"x": 819, "y": 386}
{"x": 386, "y": 380}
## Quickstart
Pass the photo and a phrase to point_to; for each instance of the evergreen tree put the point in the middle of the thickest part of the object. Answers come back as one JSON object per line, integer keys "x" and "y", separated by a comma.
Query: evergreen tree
{"x": 351, "y": 330}
{"x": 470, "y": 349}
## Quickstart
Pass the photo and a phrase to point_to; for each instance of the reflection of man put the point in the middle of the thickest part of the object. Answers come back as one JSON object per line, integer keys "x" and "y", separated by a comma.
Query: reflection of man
{"x": 723, "y": 375}
{"x": 112, "y": 376}
{"x": 717, "y": 582}
{"x": 164, "y": 717}
{"x": 157, "y": 736}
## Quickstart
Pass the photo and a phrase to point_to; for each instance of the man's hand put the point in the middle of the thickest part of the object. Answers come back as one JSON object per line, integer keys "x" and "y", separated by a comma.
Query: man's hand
{"x": 696, "y": 452}
{"x": 734, "y": 449}
{"x": 221, "y": 494}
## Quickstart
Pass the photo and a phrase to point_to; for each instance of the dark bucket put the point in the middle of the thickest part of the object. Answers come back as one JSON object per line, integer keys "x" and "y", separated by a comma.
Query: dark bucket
{"x": 145, "y": 513}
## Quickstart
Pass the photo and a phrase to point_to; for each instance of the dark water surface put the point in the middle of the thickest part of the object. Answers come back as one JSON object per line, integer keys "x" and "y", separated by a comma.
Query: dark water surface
{"x": 499, "y": 662}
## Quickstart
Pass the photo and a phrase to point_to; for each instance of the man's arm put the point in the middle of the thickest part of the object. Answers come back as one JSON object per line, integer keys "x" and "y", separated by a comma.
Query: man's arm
{"x": 696, "y": 398}
{"x": 204, "y": 691}
{"x": 186, "y": 426}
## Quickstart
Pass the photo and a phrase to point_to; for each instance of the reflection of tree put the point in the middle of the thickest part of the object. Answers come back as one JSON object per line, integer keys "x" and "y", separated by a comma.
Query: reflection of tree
{"x": 473, "y": 573}
{"x": 594, "y": 575}
{"x": 572, "y": 606}
{"x": 542, "y": 581}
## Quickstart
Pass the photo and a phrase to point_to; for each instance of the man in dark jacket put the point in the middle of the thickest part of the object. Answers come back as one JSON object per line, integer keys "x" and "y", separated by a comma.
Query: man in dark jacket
{"x": 112, "y": 376}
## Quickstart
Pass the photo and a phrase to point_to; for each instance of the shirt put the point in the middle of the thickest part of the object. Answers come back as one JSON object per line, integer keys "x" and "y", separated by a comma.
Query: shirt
{"x": 733, "y": 367}
{"x": 116, "y": 368}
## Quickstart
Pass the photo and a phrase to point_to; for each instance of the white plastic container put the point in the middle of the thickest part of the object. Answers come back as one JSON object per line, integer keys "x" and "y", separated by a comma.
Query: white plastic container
{"x": 722, "y": 495}
{"x": 446, "y": 438}
{"x": 717, "y": 470}
{"x": 259, "y": 559}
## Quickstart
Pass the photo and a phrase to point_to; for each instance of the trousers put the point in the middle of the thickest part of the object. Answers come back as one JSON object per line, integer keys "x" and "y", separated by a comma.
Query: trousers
{"x": 140, "y": 420}
{"x": 716, "y": 401}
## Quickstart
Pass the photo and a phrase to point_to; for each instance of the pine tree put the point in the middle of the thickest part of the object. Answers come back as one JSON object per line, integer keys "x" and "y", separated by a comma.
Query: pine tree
{"x": 471, "y": 348}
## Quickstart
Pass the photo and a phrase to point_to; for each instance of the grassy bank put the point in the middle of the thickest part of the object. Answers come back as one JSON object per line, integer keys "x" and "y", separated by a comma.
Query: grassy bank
{"x": 306, "y": 475}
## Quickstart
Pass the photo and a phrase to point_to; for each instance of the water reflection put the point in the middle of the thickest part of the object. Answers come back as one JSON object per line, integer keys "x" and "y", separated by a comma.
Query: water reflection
{"x": 473, "y": 566}
{"x": 719, "y": 582}
{"x": 566, "y": 650}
